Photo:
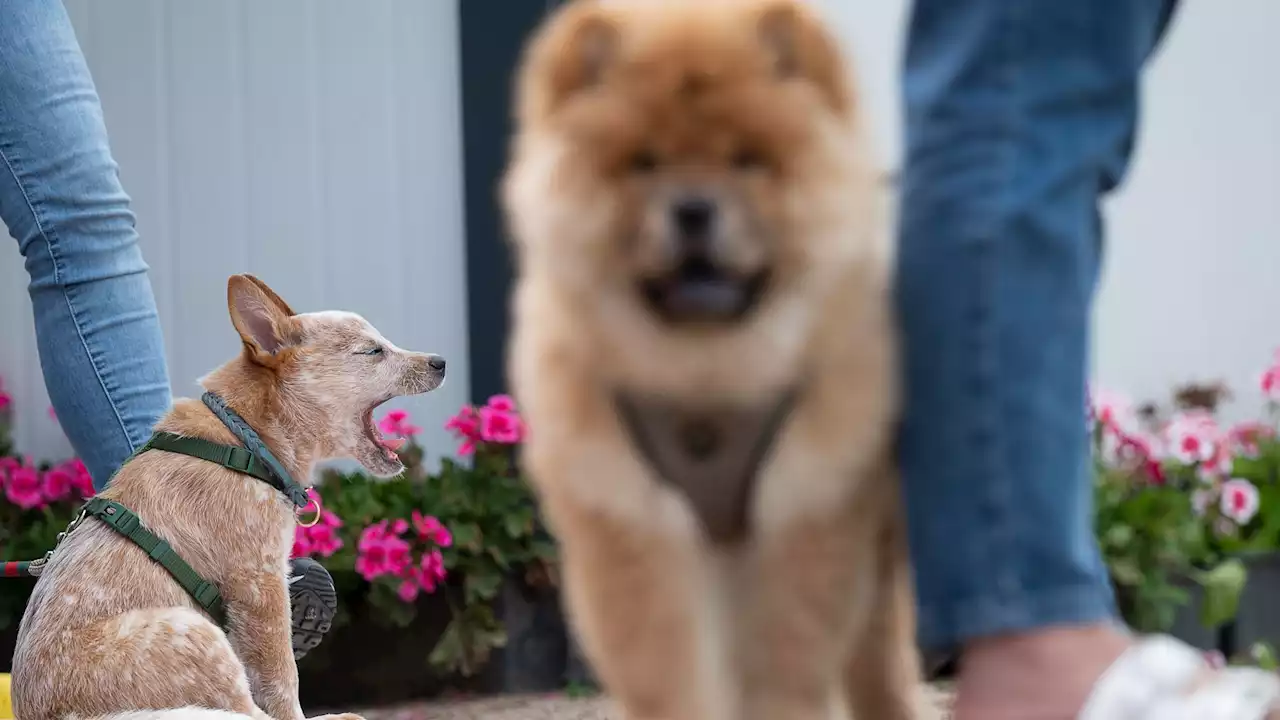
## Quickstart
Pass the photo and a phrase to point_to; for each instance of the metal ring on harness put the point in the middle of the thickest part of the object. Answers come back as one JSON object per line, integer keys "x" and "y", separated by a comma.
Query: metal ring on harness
{"x": 312, "y": 500}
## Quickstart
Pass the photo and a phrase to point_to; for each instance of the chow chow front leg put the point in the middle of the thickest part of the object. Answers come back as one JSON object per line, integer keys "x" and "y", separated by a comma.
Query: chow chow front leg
{"x": 884, "y": 672}
{"x": 638, "y": 594}
{"x": 814, "y": 589}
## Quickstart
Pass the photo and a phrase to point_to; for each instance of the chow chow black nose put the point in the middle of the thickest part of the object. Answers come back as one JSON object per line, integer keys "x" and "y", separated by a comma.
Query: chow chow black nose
{"x": 694, "y": 219}
{"x": 436, "y": 362}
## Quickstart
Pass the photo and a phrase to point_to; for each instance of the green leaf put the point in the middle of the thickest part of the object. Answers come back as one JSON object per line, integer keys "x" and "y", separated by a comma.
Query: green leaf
{"x": 1223, "y": 586}
{"x": 1118, "y": 536}
{"x": 467, "y": 535}
{"x": 1126, "y": 572}
{"x": 545, "y": 550}
{"x": 1265, "y": 656}
{"x": 518, "y": 523}
{"x": 483, "y": 587}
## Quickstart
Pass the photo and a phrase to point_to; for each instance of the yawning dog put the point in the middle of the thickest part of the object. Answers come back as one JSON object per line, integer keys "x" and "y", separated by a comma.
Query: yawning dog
{"x": 109, "y": 632}
{"x": 703, "y": 350}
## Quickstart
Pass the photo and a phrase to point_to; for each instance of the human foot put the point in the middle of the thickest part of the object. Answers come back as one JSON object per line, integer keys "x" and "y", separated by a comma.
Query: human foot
{"x": 313, "y": 601}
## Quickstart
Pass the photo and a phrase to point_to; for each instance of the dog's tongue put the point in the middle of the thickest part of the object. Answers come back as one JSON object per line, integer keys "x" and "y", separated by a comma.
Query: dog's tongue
{"x": 392, "y": 444}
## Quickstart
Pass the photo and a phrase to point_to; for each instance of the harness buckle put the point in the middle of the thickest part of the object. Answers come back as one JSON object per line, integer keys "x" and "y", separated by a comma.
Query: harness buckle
{"x": 239, "y": 459}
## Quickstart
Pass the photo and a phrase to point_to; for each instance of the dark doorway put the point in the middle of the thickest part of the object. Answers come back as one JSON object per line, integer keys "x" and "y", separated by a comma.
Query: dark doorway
{"x": 493, "y": 33}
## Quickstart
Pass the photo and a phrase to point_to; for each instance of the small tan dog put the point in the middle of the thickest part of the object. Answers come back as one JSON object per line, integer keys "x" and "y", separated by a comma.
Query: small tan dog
{"x": 702, "y": 256}
{"x": 109, "y": 633}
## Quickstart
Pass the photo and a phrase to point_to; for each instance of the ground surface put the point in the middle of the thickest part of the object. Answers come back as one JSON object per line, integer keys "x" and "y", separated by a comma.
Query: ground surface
{"x": 538, "y": 707}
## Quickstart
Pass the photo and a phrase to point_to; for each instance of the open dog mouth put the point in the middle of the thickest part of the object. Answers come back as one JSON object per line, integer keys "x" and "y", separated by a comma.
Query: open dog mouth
{"x": 389, "y": 447}
{"x": 699, "y": 290}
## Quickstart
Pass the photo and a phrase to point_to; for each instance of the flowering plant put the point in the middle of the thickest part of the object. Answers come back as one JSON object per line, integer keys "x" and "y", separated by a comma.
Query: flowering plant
{"x": 460, "y": 531}
{"x": 37, "y": 501}
{"x": 1181, "y": 499}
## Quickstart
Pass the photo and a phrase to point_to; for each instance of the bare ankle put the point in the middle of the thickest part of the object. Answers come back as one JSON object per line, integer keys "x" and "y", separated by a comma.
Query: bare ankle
{"x": 1042, "y": 674}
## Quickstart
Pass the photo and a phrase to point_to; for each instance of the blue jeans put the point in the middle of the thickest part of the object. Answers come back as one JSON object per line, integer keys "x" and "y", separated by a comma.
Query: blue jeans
{"x": 1020, "y": 115}
{"x": 60, "y": 197}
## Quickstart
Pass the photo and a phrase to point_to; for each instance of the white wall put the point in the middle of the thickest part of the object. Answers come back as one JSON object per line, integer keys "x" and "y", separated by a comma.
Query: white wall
{"x": 315, "y": 143}
{"x": 1191, "y": 289}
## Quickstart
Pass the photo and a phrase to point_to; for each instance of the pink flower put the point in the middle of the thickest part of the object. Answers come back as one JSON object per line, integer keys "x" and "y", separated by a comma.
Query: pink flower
{"x": 433, "y": 566}
{"x": 1192, "y": 437}
{"x": 1246, "y": 436}
{"x": 408, "y": 590}
{"x": 53, "y": 415}
{"x": 505, "y": 403}
{"x": 425, "y": 577}
{"x": 381, "y": 553}
{"x": 430, "y": 528}
{"x": 319, "y": 539}
{"x": 1269, "y": 382}
{"x": 323, "y": 539}
{"x": 24, "y": 488}
{"x": 81, "y": 480}
{"x": 56, "y": 484}
{"x": 7, "y": 466}
{"x": 1239, "y": 500}
{"x": 1215, "y": 659}
{"x": 500, "y": 426}
{"x": 397, "y": 424}
{"x": 465, "y": 426}
{"x": 301, "y": 543}
{"x": 6, "y": 401}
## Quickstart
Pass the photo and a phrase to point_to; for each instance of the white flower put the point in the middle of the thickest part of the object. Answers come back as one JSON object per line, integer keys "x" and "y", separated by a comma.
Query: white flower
{"x": 1239, "y": 500}
{"x": 1111, "y": 410}
{"x": 1192, "y": 437}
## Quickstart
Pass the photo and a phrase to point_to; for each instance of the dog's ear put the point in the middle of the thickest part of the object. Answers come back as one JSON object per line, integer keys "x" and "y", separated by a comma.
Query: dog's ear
{"x": 261, "y": 318}
{"x": 568, "y": 55}
{"x": 279, "y": 301}
{"x": 800, "y": 47}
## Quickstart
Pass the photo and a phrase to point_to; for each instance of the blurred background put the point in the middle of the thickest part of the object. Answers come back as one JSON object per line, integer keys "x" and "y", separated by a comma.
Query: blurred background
{"x": 347, "y": 152}
{"x": 320, "y": 145}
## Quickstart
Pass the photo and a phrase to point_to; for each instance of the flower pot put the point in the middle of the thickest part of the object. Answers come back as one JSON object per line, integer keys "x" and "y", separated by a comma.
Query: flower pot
{"x": 14, "y": 593}
{"x": 366, "y": 661}
{"x": 1187, "y": 626}
{"x": 535, "y": 656}
{"x": 578, "y": 673}
{"x": 1257, "y": 619}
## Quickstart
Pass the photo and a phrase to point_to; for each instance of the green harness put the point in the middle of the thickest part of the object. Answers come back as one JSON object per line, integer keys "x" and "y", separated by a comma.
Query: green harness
{"x": 257, "y": 463}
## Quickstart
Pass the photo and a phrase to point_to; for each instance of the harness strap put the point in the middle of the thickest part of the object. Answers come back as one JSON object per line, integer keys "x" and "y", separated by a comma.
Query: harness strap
{"x": 254, "y": 459}
{"x": 125, "y": 522}
{"x": 231, "y": 457}
{"x": 711, "y": 455}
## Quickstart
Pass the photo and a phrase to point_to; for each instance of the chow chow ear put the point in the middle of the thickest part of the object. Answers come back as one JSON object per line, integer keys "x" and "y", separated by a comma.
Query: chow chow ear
{"x": 568, "y": 55}
{"x": 802, "y": 48}
{"x": 260, "y": 317}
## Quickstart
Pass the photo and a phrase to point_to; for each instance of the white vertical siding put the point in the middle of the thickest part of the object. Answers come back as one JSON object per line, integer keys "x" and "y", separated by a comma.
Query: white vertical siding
{"x": 315, "y": 143}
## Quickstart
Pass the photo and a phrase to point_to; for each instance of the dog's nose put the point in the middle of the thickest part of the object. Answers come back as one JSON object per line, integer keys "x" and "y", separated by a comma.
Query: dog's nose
{"x": 694, "y": 217}
{"x": 436, "y": 362}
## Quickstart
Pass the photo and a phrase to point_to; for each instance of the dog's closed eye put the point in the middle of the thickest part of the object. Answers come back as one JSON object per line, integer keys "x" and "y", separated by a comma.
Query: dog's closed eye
{"x": 375, "y": 350}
